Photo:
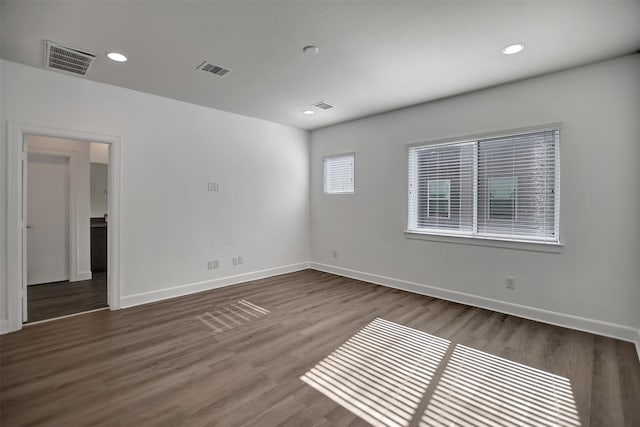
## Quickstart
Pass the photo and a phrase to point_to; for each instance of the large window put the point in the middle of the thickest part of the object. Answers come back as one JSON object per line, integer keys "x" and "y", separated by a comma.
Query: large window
{"x": 504, "y": 187}
{"x": 338, "y": 172}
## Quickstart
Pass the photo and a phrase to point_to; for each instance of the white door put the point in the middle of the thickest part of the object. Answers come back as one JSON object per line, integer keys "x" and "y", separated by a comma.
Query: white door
{"x": 47, "y": 218}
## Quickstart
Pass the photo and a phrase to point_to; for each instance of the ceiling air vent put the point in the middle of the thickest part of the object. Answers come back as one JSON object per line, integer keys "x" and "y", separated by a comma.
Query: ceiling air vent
{"x": 74, "y": 61}
{"x": 323, "y": 105}
{"x": 213, "y": 69}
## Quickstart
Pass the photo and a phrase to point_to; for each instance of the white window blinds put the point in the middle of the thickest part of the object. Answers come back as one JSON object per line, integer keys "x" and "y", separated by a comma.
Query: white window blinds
{"x": 517, "y": 183}
{"x": 504, "y": 187}
{"x": 338, "y": 174}
{"x": 449, "y": 169}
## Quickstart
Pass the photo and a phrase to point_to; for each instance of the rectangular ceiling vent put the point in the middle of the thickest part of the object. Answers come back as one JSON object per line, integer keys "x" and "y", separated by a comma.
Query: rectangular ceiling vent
{"x": 213, "y": 69}
{"x": 63, "y": 58}
{"x": 323, "y": 105}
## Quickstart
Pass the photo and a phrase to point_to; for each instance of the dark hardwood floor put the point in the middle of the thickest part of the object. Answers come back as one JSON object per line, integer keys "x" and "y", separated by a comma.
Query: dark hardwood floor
{"x": 51, "y": 300}
{"x": 299, "y": 349}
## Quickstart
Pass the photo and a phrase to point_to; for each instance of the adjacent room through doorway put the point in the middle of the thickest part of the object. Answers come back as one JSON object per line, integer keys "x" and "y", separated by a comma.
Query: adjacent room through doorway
{"x": 67, "y": 222}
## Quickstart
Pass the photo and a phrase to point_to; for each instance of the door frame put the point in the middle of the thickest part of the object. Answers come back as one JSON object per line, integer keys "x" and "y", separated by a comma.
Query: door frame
{"x": 16, "y": 213}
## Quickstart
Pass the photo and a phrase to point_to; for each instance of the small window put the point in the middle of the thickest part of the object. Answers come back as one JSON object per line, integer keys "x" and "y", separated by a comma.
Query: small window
{"x": 338, "y": 174}
{"x": 438, "y": 202}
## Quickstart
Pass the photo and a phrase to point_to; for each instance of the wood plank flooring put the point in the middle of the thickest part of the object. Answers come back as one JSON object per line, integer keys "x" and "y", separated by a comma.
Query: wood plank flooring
{"x": 161, "y": 365}
{"x": 51, "y": 300}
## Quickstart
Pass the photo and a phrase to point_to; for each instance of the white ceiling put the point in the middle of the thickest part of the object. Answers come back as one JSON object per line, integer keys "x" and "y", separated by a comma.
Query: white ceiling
{"x": 374, "y": 56}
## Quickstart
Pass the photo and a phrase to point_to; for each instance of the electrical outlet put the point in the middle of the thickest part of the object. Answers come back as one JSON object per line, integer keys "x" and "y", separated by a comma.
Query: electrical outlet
{"x": 210, "y": 186}
{"x": 210, "y": 265}
{"x": 510, "y": 282}
{"x": 235, "y": 260}
{"x": 216, "y": 186}
{"x": 216, "y": 263}
{"x": 240, "y": 260}
{"x": 335, "y": 254}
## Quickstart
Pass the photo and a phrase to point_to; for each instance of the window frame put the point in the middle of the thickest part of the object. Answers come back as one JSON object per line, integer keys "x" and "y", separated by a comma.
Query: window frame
{"x": 338, "y": 193}
{"x": 499, "y": 241}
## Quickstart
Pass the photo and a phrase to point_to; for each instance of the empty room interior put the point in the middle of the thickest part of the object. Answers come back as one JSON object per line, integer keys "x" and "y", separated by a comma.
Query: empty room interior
{"x": 320, "y": 213}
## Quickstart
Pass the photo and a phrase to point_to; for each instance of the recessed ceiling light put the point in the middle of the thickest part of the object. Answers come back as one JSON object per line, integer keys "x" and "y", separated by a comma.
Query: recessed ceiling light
{"x": 311, "y": 50}
{"x": 513, "y": 48}
{"x": 115, "y": 56}
{"x": 308, "y": 112}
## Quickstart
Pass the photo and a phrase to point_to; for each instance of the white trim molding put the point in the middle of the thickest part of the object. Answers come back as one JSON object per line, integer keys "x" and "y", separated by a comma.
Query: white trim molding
{"x": 493, "y": 242}
{"x": 16, "y": 274}
{"x": 192, "y": 288}
{"x": 83, "y": 275}
{"x": 27, "y": 325}
{"x": 598, "y": 327}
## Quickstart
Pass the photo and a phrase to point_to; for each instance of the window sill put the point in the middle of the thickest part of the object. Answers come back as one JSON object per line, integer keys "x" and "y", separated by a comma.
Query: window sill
{"x": 339, "y": 193}
{"x": 487, "y": 241}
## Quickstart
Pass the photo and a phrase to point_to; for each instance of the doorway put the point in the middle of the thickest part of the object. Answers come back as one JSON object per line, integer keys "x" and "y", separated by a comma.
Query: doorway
{"x": 66, "y": 232}
{"x": 17, "y": 175}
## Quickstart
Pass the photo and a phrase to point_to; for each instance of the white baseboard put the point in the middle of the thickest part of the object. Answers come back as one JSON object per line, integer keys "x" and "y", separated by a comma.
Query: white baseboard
{"x": 612, "y": 330}
{"x": 4, "y": 326}
{"x": 83, "y": 275}
{"x": 191, "y": 288}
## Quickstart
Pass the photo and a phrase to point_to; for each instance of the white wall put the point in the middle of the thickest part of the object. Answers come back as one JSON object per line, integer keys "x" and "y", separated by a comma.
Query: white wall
{"x": 3, "y": 211}
{"x": 99, "y": 184}
{"x": 82, "y": 197}
{"x": 170, "y": 224}
{"x": 597, "y": 273}
{"x": 99, "y": 153}
{"x": 99, "y": 157}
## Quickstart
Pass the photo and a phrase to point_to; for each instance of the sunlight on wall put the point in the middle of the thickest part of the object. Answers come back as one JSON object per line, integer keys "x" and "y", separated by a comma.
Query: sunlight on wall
{"x": 232, "y": 315}
{"x": 381, "y": 373}
{"x": 479, "y": 389}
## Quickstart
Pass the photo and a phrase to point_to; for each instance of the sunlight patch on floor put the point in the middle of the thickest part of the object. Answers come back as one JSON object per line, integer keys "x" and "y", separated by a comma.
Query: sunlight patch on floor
{"x": 384, "y": 373}
{"x": 480, "y": 389}
{"x": 232, "y": 315}
{"x": 381, "y": 373}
